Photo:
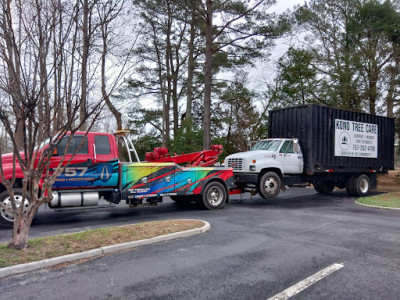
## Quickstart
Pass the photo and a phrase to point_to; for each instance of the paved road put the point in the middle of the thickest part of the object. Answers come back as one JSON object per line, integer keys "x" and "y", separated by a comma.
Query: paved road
{"x": 254, "y": 250}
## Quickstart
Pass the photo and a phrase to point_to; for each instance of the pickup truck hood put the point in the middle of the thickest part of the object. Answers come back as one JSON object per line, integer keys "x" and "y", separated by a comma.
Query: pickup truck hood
{"x": 8, "y": 166}
{"x": 9, "y": 157}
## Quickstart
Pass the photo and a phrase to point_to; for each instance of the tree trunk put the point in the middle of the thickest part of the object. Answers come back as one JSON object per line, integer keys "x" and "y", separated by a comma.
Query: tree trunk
{"x": 172, "y": 70}
{"x": 20, "y": 236}
{"x": 85, "y": 57}
{"x": 165, "y": 106}
{"x": 372, "y": 95}
{"x": 168, "y": 78}
{"x": 13, "y": 70}
{"x": 189, "y": 87}
{"x": 58, "y": 62}
{"x": 208, "y": 77}
{"x": 111, "y": 107}
{"x": 70, "y": 80}
{"x": 394, "y": 71}
{"x": 20, "y": 240}
{"x": 22, "y": 222}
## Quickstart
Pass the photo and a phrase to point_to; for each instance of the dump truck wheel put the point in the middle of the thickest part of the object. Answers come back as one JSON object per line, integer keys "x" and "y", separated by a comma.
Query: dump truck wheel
{"x": 323, "y": 186}
{"x": 350, "y": 186}
{"x": 327, "y": 187}
{"x": 270, "y": 185}
{"x": 362, "y": 185}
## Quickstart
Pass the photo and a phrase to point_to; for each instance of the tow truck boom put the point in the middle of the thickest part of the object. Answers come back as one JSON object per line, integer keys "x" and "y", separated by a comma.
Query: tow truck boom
{"x": 203, "y": 158}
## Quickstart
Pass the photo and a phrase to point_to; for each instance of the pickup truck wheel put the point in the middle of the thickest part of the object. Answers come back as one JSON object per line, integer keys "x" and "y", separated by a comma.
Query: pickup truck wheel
{"x": 214, "y": 195}
{"x": 6, "y": 218}
{"x": 362, "y": 185}
{"x": 270, "y": 185}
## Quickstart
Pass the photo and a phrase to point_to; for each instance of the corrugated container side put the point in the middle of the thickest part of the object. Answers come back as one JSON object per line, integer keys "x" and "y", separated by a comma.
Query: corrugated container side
{"x": 314, "y": 126}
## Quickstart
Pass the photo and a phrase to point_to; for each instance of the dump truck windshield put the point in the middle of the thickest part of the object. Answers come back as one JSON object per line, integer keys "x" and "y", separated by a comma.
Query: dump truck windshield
{"x": 268, "y": 145}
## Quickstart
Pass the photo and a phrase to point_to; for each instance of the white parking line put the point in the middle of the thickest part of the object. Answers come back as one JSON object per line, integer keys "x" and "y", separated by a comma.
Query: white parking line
{"x": 302, "y": 285}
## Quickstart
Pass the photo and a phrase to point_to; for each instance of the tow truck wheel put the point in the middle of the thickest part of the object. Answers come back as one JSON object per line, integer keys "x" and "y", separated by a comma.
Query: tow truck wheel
{"x": 6, "y": 218}
{"x": 214, "y": 195}
{"x": 362, "y": 185}
{"x": 270, "y": 185}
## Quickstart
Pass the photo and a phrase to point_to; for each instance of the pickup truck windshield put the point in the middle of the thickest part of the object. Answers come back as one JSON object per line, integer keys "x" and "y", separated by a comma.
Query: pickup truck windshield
{"x": 269, "y": 145}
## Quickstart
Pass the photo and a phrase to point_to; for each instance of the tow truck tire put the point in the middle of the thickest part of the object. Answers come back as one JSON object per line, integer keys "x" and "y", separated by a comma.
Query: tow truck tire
{"x": 270, "y": 185}
{"x": 7, "y": 219}
{"x": 214, "y": 195}
{"x": 362, "y": 185}
{"x": 324, "y": 187}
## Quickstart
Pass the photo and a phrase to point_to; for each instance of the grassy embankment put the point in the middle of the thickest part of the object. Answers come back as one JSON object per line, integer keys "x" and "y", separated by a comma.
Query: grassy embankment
{"x": 390, "y": 184}
{"x": 53, "y": 246}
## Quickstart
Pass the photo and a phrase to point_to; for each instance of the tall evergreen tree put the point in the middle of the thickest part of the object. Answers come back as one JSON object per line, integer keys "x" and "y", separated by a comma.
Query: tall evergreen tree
{"x": 354, "y": 46}
{"x": 239, "y": 31}
{"x": 162, "y": 56}
{"x": 296, "y": 80}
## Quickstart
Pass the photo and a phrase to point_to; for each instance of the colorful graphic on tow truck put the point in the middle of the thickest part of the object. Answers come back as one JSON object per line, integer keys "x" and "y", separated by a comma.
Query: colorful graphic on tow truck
{"x": 79, "y": 175}
{"x": 142, "y": 180}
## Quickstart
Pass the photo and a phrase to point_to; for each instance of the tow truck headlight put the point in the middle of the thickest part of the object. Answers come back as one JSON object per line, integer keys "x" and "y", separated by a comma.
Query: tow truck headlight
{"x": 252, "y": 168}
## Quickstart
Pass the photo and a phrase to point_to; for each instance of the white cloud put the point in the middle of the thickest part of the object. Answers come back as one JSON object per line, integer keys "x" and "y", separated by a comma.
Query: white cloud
{"x": 283, "y": 5}
{"x": 264, "y": 71}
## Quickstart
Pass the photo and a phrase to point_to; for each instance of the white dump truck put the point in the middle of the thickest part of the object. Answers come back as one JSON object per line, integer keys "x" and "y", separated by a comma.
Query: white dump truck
{"x": 317, "y": 145}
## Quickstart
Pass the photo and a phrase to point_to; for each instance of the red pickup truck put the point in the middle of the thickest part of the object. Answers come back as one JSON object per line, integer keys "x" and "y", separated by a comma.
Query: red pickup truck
{"x": 95, "y": 171}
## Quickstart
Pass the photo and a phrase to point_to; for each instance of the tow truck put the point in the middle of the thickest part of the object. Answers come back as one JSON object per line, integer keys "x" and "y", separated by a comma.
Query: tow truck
{"x": 96, "y": 172}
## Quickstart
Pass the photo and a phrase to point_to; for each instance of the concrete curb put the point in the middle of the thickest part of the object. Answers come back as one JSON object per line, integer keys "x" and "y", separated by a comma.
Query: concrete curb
{"x": 18, "y": 269}
{"x": 376, "y": 206}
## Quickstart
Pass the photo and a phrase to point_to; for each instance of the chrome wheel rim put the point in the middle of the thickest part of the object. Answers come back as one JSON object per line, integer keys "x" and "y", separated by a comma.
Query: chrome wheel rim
{"x": 215, "y": 196}
{"x": 364, "y": 186}
{"x": 271, "y": 185}
{"x": 5, "y": 213}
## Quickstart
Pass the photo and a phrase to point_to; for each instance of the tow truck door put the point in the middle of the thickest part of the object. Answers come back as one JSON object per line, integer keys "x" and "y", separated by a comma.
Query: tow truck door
{"x": 104, "y": 165}
{"x": 76, "y": 173}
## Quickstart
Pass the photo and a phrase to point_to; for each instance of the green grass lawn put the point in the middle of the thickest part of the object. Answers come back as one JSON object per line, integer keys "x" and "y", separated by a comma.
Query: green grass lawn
{"x": 53, "y": 246}
{"x": 386, "y": 200}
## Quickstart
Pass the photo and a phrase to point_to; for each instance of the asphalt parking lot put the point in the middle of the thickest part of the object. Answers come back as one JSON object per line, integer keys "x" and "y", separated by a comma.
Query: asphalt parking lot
{"x": 306, "y": 245}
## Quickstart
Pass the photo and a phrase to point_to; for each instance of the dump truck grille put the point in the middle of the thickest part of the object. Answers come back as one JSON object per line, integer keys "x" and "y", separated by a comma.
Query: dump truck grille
{"x": 236, "y": 164}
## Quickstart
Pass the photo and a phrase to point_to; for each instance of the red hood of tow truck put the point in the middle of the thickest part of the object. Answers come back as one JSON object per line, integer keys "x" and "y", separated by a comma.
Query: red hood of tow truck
{"x": 8, "y": 157}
